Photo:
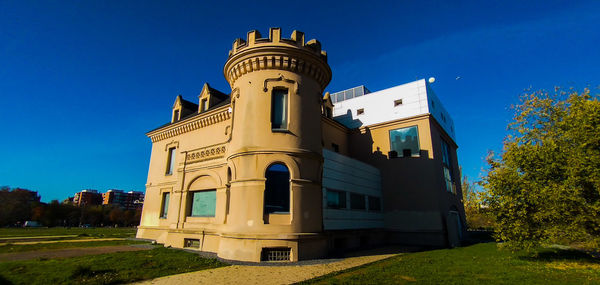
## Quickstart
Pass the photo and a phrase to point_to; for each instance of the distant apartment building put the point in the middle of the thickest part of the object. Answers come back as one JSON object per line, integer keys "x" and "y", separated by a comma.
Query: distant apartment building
{"x": 127, "y": 200}
{"x": 87, "y": 197}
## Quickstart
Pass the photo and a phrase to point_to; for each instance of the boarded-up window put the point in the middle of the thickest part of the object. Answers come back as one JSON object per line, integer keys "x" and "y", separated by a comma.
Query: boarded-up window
{"x": 203, "y": 203}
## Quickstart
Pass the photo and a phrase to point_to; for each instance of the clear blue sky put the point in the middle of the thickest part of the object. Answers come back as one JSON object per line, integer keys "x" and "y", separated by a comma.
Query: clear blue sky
{"x": 82, "y": 81}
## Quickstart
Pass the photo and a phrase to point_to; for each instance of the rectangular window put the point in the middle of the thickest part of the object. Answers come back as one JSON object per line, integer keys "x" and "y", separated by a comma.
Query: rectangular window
{"x": 405, "y": 141}
{"x": 193, "y": 243}
{"x": 176, "y": 116}
{"x": 171, "y": 161}
{"x": 335, "y": 147}
{"x": 336, "y": 199}
{"x": 357, "y": 201}
{"x": 279, "y": 109}
{"x": 164, "y": 208}
{"x": 397, "y": 102}
{"x": 360, "y": 111}
{"x": 204, "y": 105}
{"x": 374, "y": 204}
{"x": 447, "y": 165}
{"x": 203, "y": 203}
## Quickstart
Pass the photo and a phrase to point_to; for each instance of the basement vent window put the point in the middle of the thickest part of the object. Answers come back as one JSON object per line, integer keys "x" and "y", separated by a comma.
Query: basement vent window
{"x": 360, "y": 111}
{"x": 193, "y": 243}
{"x": 276, "y": 254}
{"x": 397, "y": 102}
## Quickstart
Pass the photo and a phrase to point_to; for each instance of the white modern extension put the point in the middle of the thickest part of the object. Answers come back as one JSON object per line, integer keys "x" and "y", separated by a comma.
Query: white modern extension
{"x": 357, "y": 107}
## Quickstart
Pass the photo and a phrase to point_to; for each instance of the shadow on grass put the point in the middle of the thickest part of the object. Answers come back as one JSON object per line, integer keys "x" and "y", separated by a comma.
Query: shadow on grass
{"x": 477, "y": 236}
{"x": 550, "y": 255}
{"x": 4, "y": 281}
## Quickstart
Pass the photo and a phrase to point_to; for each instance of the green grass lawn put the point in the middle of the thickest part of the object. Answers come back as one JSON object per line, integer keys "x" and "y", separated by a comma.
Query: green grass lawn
{"x": 476, "y": 264}
{"x": 111, "y": 268}
{"x": 9, "y": 248}
{"x": 81, "y": 232}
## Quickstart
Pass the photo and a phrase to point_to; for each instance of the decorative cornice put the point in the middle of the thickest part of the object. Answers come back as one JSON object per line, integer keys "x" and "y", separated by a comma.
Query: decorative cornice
{"x": 196, "y": 122}
{"x": 205, "y": 153}
{"x": 276, "y": 53}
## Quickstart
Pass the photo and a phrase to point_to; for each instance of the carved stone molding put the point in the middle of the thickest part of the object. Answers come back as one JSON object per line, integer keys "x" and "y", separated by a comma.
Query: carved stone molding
{"x": 191, "y": 124}
{"x": 281, "y": 78}
{"x": 205, "y": 153}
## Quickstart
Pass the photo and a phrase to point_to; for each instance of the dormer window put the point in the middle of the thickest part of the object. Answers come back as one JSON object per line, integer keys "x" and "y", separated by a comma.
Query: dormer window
{"x": 328, "y": 113}
{"x": 204, "y": 104}
{"x": 175, "y": 115}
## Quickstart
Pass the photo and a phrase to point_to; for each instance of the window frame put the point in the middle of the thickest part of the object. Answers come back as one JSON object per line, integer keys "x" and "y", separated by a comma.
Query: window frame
{"x": 364, "y": 201}
{"x": 190, "y": 210}
{"x": 340, "y": 194}
{"x": 401, "y": 153}
{"x": 289, "y": 190}
{"x": 164, "y": 205}
{"x": 171, "y": 156}
{"x": 284, "y": 124}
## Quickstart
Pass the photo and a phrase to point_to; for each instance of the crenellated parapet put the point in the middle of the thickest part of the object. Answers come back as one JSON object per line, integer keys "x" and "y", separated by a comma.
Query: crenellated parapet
{"x": 293, "y": 54}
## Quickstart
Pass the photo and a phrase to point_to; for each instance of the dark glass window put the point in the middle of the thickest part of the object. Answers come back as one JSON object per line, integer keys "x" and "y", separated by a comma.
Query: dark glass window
{"x": 447, "y": 166}
{"x": 374, "y": 203}
{"x": 335, "y": 147}
{"x": 336, "y": 199}
{"x": 277, "y": 189}
{"x": 405, "y": 141}
{"x": 279, "y": 109}
{"x": 170, "y": 161}
{"x": 164, "y": 208}
{"x": 357, "y": 201}
{"x": 176, "y": 116}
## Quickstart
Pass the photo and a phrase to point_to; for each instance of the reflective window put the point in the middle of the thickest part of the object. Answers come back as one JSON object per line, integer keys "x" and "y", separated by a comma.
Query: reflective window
{"x": 447, "y": 165}
{"x": 279, "y": 109}
{"x": 405, "y": 141}
{"x": 357, "y": 201}
{"x": 170, "y": 161}
{"x": 203, "y": 203}
{"x": 277, "y": 189}
{"x": 336, "y": 199}
{"x": 374, "y": 203}
{"x": 165, "y": 205}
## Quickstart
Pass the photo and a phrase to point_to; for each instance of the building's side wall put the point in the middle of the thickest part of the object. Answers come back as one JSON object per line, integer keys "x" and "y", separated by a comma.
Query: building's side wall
{"x": 334, "y": 134}
{"x": 410, "y": 185}
{"x": 342, "y": 173}
{"x": 180, "y": 183}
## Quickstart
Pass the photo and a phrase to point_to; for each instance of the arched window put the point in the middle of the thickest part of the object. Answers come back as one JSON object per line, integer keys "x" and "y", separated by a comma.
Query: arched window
{"x": 277, "y": 189}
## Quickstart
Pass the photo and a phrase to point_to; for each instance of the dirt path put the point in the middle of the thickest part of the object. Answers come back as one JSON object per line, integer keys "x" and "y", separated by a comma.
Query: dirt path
{"x": 68, "y": 252}
{"x": 65, "y": 240}
{"x": 266, "y": 275}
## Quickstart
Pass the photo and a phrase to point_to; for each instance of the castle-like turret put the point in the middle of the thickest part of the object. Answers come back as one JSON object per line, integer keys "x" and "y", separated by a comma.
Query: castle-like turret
{"x": 275, "y": 152}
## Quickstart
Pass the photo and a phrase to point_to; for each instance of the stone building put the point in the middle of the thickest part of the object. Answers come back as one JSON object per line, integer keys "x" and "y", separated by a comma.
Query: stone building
{"x": 277, "y": 170}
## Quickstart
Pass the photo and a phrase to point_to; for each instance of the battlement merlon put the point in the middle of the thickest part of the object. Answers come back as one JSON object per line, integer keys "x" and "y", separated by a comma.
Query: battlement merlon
{"x": 275, "y": 52}
{"x": 296, "y": 39}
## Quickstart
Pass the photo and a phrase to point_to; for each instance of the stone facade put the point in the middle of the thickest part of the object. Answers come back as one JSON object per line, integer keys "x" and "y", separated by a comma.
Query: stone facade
{"x": 218, "y": 170}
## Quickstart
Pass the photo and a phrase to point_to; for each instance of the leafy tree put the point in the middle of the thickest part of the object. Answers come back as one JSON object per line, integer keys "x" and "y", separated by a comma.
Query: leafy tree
{"x": 476, "y": 213}
{"x": 544, "y": 187}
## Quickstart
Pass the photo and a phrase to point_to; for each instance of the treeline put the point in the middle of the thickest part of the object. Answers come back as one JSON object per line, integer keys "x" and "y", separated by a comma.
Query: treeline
{"x": 20, "y": 205}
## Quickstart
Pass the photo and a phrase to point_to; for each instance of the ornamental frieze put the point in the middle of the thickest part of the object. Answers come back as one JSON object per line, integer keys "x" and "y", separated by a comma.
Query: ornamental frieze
{"x": 206, "y": 153}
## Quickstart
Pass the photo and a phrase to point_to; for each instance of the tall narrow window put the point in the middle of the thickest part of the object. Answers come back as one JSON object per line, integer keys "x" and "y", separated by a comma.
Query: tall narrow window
{"x": 277, "y": 189}
{"x": 279, "y": 109}
{"x": 171, "y": 161}
{"x": 447, "y": 166}
{"x": 176, "y": 116}
{"x": 204, "y": 104}
{"x": 164, "y": 208}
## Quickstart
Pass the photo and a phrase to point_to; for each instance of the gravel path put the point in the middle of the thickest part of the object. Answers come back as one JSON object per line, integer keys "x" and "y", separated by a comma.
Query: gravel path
{"x": 65, "y": 240}
{"x": 69, "y": 252}
{"x": 272, "y": 274}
